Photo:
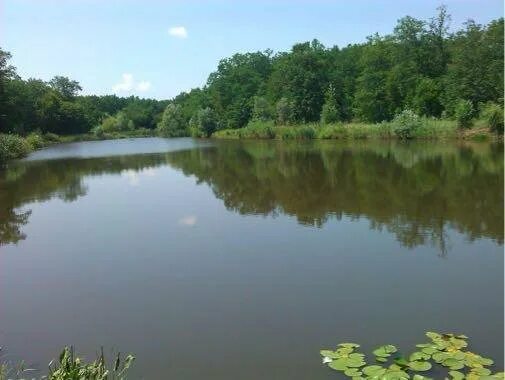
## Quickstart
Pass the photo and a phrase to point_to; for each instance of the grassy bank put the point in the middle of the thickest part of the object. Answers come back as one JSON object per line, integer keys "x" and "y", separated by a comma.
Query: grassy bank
{"x": 15, "y": 146}
{"x": 427, "y": 129}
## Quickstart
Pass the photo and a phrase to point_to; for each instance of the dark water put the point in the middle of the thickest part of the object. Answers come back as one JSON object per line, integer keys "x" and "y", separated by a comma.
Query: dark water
{"x": 240, "y": 260}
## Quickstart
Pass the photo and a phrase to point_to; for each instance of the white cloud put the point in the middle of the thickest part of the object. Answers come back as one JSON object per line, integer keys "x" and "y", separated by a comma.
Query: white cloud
{"x": 128, "y": 84}
{"x": 178, "y": 31}
{"x": 143, "y": 86}
{"x": 189, "y": 220}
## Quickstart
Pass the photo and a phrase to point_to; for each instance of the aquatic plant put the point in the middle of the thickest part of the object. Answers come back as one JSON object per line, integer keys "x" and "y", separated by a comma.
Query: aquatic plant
{"x": 446, "y": 351}
{"x": 70, "y": 367}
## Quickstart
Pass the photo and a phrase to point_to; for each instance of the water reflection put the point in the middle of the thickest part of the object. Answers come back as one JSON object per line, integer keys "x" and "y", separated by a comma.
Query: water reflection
{"x": 415, "y": 191}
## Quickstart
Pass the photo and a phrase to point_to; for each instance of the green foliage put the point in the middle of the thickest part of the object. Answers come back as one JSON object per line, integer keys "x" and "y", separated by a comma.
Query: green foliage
{"x": 304, "y": 132}
{"x": 117, "y": 123}
{"x": 51, "y": 138}
{"x": 330, "y": 112}
{"x": 67, "y": 88}
{"x": 492, "y": 113}
{"x": 447, "y": 350}
{"x": 71, "y": 367}
{"x": 261, "y": 109}
{"x": 203, "y": 123}
{"x": 463, "y": 113}
{"x": 406, "y": 124}
{"x": 284, "y": 112}
{"x": 173, "y": 123}
{"x": 35, "y": 140}
{"x": 12, "y": 146}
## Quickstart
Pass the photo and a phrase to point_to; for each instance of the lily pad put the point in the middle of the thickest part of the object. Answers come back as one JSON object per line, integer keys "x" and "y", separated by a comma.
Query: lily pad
{"x": 385, "y": 351}
{"x": 430, "y": 350}
{"x": 456, "y": 375}
{"x": 419, "y": 355}
{"x": 420, "y": 377}
{"x": 352, "y": 372}
{"x": 420, "y": 365}
{"x": 433, "y": 335}
{"x": 395, "y": 375}
{"x": 338, "y": 365}
{"x": 349, "y": 345}
{"x": 453, "y": 363}
{"x": 330, "y": 354}
{"x": 481, "y": 371}
{"x": 373, "y": 370}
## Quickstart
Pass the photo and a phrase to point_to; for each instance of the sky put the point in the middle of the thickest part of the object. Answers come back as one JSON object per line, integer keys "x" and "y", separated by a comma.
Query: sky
{"x": 156, "y": 49}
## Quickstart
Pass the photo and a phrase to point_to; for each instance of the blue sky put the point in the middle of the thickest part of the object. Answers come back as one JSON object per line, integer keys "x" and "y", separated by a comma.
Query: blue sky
{"x": 155, "y": 48}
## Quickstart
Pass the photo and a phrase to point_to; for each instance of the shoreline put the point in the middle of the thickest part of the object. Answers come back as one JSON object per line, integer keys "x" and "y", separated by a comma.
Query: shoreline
{"x": 430, "y": 130}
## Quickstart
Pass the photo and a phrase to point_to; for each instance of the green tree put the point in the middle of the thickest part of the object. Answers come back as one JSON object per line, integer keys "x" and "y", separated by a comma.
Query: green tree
{"x": 330, "y": 112}
{"x": 284, "y": 111}
{"x": 203, "y": 123}
{"x": 67, "y": 88}
{"x": 261, "y": 109}
{"x": 172, "y": 123}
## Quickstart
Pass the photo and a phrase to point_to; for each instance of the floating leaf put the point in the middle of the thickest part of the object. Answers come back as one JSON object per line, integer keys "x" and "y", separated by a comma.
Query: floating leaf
{"x": 420, "y": 377}
{"x": 385, "y": 351}
{"x": 439, "y": 357}
{"x": 433, "y": 335}
{"x": 373, "y": 370}
{"x": 338, "y": 365}
{"x": 453, "y": 363}
{"x": 381, "y": 359}
{"x": 420, "y": 365}
{"x": 456, "y": 375}
{"x": 352, "y": 372}
{"x": 356, "y": 355}
{"x": 395, "y": 375}
{"x": 430, "y": 350}
{"x": 349, "y": 345}
{"x": 330, "y": 354}
{"x": 481, "y": 371}
{"x": 419, "y": 355}
{"x": 401, "y": 362}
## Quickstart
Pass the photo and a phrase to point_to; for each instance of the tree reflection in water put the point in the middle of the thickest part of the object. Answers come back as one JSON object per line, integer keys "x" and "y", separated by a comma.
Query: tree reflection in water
{"x": 415, "y": 191}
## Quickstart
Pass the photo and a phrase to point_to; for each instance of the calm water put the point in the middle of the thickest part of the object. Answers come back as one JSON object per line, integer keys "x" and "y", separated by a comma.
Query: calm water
{"x": 227, "y": 260}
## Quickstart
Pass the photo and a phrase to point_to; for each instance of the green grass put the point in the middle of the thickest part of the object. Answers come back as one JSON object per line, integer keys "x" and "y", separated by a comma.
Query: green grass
{"x": 429, "y": 129}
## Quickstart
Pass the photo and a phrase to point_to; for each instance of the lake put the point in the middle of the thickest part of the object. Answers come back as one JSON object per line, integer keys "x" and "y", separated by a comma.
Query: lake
{"x": 242, "y": 259}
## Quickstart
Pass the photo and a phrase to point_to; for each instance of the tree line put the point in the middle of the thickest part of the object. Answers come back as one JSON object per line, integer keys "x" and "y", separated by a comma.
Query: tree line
{"x": 420, "y": 66}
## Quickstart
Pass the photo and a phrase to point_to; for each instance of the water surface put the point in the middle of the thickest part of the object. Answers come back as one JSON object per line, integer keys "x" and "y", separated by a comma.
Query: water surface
{"x": 233, "y": 259}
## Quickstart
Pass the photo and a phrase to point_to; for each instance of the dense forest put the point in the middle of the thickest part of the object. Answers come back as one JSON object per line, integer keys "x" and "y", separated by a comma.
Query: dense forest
{"x": 420, "y": 67}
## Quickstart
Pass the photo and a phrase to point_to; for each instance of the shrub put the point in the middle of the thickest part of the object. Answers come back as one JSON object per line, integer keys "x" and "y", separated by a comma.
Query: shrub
{"x": 492, "y": 113}
{"x": 172, "y": 123}
{"x": 35, "y": 140}
{"x": 329, "y": 114}
{"x": 118, "y": 123}
{"x": 203, "y": 123}
{"x": 13, "y": 146}
{"x": 284, "y": 111}
{"x": 51, "y": 137}
{"x": 405, "y": 124}
{"x": 261, "y": 109}
{"x": 463, "y": 113}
